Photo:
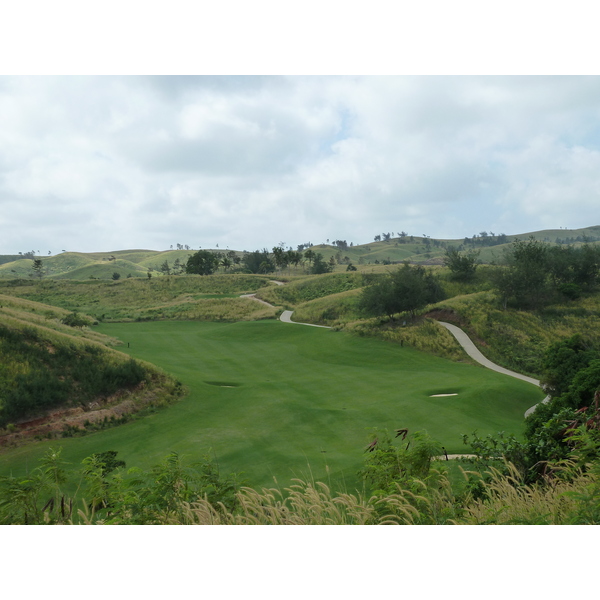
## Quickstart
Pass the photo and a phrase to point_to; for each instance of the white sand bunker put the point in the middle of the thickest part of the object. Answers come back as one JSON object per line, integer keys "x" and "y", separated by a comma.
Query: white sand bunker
{"x": 442, "y": 395}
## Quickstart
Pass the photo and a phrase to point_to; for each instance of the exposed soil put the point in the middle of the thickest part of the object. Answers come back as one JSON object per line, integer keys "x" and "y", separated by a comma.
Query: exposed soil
{"x": 449, "y": 316}
{"x": 53, "y": 423}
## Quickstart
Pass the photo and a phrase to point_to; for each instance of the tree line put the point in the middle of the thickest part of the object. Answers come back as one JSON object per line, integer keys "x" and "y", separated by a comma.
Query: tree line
{"x": 205, "y": 262}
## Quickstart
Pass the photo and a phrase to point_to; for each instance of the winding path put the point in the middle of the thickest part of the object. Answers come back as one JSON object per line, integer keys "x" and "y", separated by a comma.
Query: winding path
{"x": 461, "y": 337}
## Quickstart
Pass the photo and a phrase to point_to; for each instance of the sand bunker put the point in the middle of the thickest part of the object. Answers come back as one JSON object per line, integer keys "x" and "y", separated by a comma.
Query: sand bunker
{"x": 442, "y": 395}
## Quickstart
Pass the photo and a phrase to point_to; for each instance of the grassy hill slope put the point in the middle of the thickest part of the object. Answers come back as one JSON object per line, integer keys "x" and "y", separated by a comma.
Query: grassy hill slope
{"x": 416, "y": 249}
{"x": 176, "y": 297}
{"x": 58, "y": 376}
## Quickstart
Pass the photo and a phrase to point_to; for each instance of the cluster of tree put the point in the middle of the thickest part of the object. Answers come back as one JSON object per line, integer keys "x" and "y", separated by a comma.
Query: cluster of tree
{"x": 181, "y": 247}
{"x": 259, "y": 261}
{"x": 405, "y": 290}
{"x": 536, "y": 273}
{"x": 262, "y": 261}
{"x": 317, "y": 265}
{"x": 579, "y": 239}
{"x": 486, "y": 239}
{"x": 177, "y": 268}
{"x": 342, "y": 244}
{"x": 204, "y": 262}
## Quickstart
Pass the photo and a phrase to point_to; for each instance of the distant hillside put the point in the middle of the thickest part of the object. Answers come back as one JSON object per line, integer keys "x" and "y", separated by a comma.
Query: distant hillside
{"x": 381, "y": 251}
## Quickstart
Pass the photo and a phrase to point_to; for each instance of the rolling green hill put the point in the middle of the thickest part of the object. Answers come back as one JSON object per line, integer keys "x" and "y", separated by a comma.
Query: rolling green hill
{"x": 415, "y": 249}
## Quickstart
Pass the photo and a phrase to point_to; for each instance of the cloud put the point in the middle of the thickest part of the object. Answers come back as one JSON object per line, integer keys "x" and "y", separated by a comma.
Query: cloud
{"x": 115, "y": 162}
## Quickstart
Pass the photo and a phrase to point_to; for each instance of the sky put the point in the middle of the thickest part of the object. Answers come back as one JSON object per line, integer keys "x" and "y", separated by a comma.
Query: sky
{"x": 101, "y": 163}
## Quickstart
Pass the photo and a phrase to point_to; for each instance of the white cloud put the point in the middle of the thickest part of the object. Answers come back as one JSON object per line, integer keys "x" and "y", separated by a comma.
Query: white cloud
{"x": 116, "y": 162}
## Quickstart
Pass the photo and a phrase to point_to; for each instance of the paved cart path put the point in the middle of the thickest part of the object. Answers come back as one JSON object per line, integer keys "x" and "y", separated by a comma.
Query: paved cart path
{"x": 461, "y": 337}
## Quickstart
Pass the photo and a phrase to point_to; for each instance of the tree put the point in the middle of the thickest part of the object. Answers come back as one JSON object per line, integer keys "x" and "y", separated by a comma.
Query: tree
{"x": 309, "y": 255}
{"x": 202, "y": 262}
{"x": 280, "y": 257}
{"x": 177, "y": 266}
{"x": 562, "y": 361}
{"x": 462, "y": 266}
{"x": 38, "y": 268}
{"x": 524, "y": 280}
{"x": 294, "y": 257}
{"x": 405, "y": 290}
{"x": 320, "y": 266}
{"x": 116, "y": 276}
{"x": 226, "y": 263}
{"x": 258, "y": 262}
{"x": 165, "y": 268}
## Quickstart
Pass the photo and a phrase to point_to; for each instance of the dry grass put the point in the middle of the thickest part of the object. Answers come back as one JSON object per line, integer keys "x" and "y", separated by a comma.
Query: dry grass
{"x": 425, "y": 335}
{"x": 510, "y": 502}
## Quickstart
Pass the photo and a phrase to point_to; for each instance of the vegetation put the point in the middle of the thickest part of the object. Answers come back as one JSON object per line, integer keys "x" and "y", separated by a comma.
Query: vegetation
{"x": 410, "y": 488}
{"x": 202, "y": 262}
{"x": 462, "y": 266}
{"x": 264, "y": 399}
{"x": 175, "y": 297}
{"x": 50, "y": 360}
{"x": 269, "y": 399}
{"x": 405, "y": 290}
{"x": 536, "y": 273}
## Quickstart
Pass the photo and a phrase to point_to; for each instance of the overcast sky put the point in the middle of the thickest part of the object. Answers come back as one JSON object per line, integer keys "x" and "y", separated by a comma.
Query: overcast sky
{"x": 92, "y": 163}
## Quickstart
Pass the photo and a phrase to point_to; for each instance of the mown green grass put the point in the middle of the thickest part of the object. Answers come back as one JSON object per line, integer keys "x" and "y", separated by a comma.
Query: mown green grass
{"x": 276, "y": 400}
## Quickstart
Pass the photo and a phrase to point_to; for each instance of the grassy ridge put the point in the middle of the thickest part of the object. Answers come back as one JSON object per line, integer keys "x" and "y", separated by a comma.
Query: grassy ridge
{"x": 417, "y": 249}
{"x": 304, "y": 289}
{"x": 46, "y": 365}
{"x": 517, "y": 339}
{"x": 188, "y": 297}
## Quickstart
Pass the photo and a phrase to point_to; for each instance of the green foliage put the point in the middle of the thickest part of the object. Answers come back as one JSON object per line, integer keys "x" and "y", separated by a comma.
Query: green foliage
{"x": 386, "y": 464}
{"x": 537, "y": 273}
{"x": 462, "y": 266}
{"x": 38, "y": 268}
{"x": 405, "y": 290}
{"x": 258, "y": 262}
{"x": 203, "y": 262}
{"x": 311, "y": 288}
{"x": 37, "y": 498}
{"x": 178, "y": 297}
{"x": 562, "y": 361}
{"x": 319, "y": 265}
{"x": 109, "y": 494}
{"x": 55, "y": 374}
{"x": 76, "y": 320}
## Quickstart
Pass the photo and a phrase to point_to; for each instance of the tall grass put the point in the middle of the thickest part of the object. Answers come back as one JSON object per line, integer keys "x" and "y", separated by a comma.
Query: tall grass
{"x": 423, "y": 334}
{"x": 136, "y": 299}
{"x": 517, "y": 339}
{"x": 310, "y": 288}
